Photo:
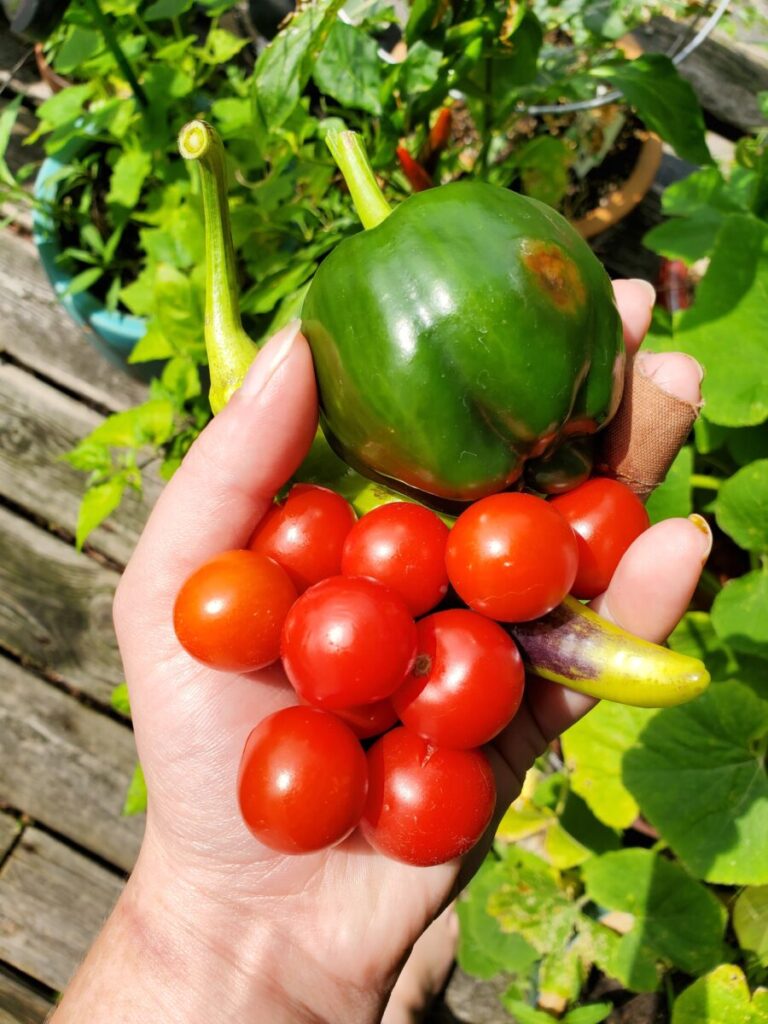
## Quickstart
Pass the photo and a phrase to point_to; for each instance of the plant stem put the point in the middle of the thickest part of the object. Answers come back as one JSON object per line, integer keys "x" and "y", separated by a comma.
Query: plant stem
{"x": 349, "y": 153}
{"x": 111, "y": 40}
{"x": 230, "y": 350}
{"x": 706, "y": 483}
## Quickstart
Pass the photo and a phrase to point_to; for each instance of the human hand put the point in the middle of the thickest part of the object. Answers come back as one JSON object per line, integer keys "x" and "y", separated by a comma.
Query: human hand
{"x": 219, "y": 925}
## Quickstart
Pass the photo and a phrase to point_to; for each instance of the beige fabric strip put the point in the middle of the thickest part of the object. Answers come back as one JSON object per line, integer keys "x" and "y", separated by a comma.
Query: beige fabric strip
{"x": 646, "y": 434}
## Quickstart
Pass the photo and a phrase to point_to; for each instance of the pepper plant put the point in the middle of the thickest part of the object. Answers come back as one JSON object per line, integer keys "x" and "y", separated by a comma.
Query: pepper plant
{"x": 643, "y": 849}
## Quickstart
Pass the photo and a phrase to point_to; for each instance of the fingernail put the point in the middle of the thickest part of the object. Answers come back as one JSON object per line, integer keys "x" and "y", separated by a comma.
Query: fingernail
{"x": 701, "y": 524}
{"x": 269, "y": 359}
{"x": 647, "y": 288}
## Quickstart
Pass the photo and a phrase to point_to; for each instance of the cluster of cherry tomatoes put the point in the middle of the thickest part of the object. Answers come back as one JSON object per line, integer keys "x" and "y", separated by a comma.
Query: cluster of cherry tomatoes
{"x": 350, "y": 607}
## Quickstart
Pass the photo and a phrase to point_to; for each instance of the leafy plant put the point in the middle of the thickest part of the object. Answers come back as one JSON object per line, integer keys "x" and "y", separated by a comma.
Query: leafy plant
{"x": 691, "y": 778}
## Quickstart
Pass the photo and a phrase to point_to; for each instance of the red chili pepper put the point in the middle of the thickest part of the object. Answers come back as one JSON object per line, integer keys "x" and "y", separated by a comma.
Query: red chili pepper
{"x": 675, "y": 289}
{"x": 417, "y": 176}
{"x": 440, "y": 133}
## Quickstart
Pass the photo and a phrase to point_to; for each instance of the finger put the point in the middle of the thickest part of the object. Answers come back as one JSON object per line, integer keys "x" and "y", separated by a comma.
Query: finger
{"x": 231, "y": 472}
{"x": 655, "y": 580}
{"x": 662, "y": 397}
{"x": 635, "y": 299}
{"x": 674, "y": 373}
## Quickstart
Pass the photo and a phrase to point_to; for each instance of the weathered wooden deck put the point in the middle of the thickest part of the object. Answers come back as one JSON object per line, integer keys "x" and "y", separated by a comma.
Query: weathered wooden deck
{"x": 66, "y": 757}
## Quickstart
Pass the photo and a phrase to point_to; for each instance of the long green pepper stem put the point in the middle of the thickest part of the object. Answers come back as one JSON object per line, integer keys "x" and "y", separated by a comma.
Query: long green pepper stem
{"x": 230, "y": 350}
{"x": 349, "y": 153}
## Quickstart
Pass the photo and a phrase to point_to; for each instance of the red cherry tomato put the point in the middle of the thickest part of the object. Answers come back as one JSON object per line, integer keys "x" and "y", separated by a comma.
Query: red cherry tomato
{"x": 367, "y": 720}
{"x": 348, "y": 641}
{"x": 511, "y": 557}
{"x": 230, "y": 612}
{"x": 402, "y": 545}
{"x": 466, "y": 683}
{"x": 306, "y": 533}
{"x": 426, "y": 805}
{"x": 606, "y": 517}
{"x": 303, "y": 780}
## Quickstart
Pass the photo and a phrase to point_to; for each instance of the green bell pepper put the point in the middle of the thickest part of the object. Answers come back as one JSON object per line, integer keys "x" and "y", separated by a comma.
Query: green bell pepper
{"x": 466, "y": 333}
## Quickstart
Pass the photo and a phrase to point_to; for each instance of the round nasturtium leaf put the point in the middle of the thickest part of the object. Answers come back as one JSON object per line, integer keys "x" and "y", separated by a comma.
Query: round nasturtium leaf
{"x": 698, "y": 774}
{"x": 740, "y": 613}
{"x": 742, "y": 506}
{"x": 721, "y": 997}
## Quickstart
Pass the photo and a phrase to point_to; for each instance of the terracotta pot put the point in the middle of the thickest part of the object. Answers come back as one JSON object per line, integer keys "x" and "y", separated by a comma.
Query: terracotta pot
{"x": 623, "y": 199}
{"x": 54, "y": 82}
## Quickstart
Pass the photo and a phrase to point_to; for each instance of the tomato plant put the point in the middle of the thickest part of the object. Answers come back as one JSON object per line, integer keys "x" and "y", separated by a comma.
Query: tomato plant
{"x": 230, "y": 612}
{"x": 426, "y": 805}
{"x": 512, "y": 557}
{"x": 606, "y": 517}
{"x": 306, "y": 533}
{"x": 348, "y": 641}
{"x": 302, "y": 781}
{"x": 466, "y": 683}
{"x": 402, "y": 545}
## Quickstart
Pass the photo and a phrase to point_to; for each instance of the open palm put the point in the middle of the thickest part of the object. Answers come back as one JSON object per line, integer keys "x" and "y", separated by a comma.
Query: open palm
{"x": 348, "y": 915}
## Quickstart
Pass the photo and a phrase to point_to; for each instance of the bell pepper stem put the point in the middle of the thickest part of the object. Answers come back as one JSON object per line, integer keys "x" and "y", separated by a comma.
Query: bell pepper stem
{"x": 349, "y": 154}
{"x": 230, "y": 350}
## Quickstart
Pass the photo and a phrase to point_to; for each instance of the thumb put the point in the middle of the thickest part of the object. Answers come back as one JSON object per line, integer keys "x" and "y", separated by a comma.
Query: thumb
{"x": 228, "y": 478}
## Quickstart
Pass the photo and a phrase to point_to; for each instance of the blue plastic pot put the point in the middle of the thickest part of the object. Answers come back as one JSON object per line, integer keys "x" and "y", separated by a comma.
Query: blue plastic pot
{"x": 113, "y": 334}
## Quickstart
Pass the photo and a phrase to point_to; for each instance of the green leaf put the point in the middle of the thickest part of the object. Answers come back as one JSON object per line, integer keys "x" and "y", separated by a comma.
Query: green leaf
{"x": 65, "y": 106}
{"x": 154, "y": 345}
{"x": 699, "y": 775}
{"x": 221, "y": 46}
{"x": 676, "y": 919}
{"x": 742, "y": 506}
{"x": 136, "y": 796}
{"x": 349, "y": 69}
{"x": 119, "y": 700}
{"x": 167, "y": 9}
{"x": 688, "y": 239}
{"x": 590, "y": 1013}
{"x": 284, "y": 67}
{"x": 703, "y": 190}
{"x": 84, "y": 280}
{"x": 484, "y": 949}
{"x": 80, "y": 45}
{"x": 7, "y": 121}
{"x": 128, "y": 177}
{"x": 740, "y": 613}
{"x": 695, "y": 636}
{"x": 543, "y": 163}
{"x": 721, "y": 997}
{"x": 664, "y": 100}
{"x": 731, "y": 303}
{"x": 674, "y": 496}
{"x": 750, "y": 921}
{"x": 604, "y": 18}
{"x": 98, "y": 502}
{"x": 594, "y": 751}
{"x": 420, "y": 69}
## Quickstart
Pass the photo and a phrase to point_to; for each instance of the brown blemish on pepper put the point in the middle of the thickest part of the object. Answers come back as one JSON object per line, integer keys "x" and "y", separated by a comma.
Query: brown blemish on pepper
{"x": 557, "y": 274}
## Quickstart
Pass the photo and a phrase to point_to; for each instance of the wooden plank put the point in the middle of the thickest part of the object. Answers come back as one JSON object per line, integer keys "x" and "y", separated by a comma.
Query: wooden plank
{"x": 37, "y": 332}
{"x": 54, "y": 902}
{"x": 67, "y": 766}
{"x": 725, "y": 79}
{"x": 56, "y": 611}
{"x": 19, "y": 1004}
{"x": 39, "y": 424}
{"x": 9, "y": 832}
